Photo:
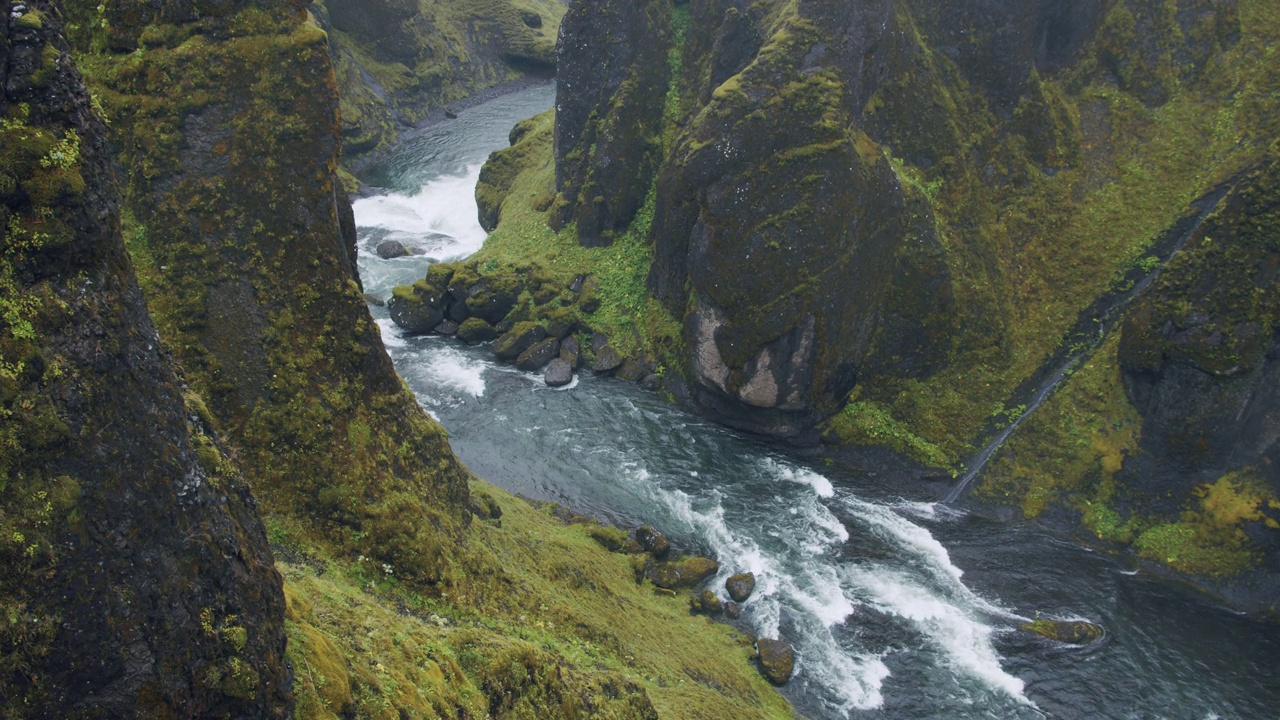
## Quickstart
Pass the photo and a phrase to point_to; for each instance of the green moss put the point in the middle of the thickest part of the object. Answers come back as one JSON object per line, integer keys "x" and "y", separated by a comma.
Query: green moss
{"x": 31, "y": 19}
{"x": 548, "y": 624}
{"x": 1070, "y": 450}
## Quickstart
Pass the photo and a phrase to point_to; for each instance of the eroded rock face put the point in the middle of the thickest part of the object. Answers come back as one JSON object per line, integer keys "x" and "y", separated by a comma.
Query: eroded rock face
{"x": 611, "y": 87}
{"x": 143, "y": 585}
{"x": 779, "y": 224}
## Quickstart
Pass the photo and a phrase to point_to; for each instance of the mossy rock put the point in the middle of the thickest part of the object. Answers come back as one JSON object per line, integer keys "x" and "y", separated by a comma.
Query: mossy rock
{"x": 1071, "y": 632}
{"x": 777, "y": 660}
{"x": 520, "y": 338}
{"x": 681, "y": 573}
{"x": 474, "y": 331}
{"x": 740, "y": 586}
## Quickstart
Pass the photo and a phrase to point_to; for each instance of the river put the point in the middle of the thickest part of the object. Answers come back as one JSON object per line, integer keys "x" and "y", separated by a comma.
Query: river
{"x": 898, "y": 607}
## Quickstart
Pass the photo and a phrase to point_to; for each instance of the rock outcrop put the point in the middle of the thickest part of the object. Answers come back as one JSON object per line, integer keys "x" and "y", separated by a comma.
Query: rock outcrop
{"x": 135, "y": 575}
{"x": 246, "y": 253}
{"x": 610, "y": 95}
{"x": 399, "y": 62}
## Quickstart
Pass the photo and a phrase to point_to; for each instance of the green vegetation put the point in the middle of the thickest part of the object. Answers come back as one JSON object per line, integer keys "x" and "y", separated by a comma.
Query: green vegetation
{"x": 548, "y": 623}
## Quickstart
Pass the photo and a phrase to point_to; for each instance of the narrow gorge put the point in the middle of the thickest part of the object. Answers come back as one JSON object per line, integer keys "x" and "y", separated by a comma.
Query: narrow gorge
{"x": 651, "y": 359}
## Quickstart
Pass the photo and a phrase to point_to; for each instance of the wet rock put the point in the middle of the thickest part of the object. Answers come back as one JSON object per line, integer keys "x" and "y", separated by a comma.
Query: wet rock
{"x": 451, "y": 113}
{"x": 521, "y": 337}
{"x": 707, "y": 602}
{"x": 416, "y": 308}
{"x": 652, "y": 381}
{"x": 632, "y": 370}
{"x": 777, "y": 660}
{"x": 740, "y": 586}
{"x": 685, "y": 572}
{"x": 374, "y": 300}
{"x": 607, "y": 360}
{"x": 653, "y": 542}
{"x": 538, "y": 355}
{"x": 570, "y": 353}
{"x": 446, "y": 327}
{"x": 1071, "y": 632}
{"x": 732, "y": 610}
{"x": 473, "y": 331}
{"x": 492, "y": 298}
{"x": 391, "y": 249}
{"x": 559, "y": 373}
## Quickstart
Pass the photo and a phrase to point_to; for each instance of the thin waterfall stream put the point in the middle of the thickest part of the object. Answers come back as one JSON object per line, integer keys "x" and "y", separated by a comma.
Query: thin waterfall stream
{"x": 898, "y": 607}
{"x": 1103, "y": 315}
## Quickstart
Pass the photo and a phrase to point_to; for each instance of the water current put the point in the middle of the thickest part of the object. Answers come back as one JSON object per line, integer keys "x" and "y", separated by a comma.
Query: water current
{"x": 898, "y": 607}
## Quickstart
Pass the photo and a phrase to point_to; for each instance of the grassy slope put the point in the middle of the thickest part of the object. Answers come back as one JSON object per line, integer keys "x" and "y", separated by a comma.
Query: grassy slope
{"x": 539, "y": 594}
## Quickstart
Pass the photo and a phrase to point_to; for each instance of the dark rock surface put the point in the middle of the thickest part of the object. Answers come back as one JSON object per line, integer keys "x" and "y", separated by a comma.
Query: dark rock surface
{"x": 607, "y": 360}
{"x": 136, "y": 533}
{"x": 520, "y": 338}
{"x": 740, "y": 586}
{"x": 474, "y": 331}
{"x": 538, "y": 355}
{"x": 613, "y": 76}
{"x": 652, "y": 541}
{"x": 391, "y": 249}
{"x": 777, "y": 660}
{"x": 559, "y": 373}
{"x": 685, "y": 572}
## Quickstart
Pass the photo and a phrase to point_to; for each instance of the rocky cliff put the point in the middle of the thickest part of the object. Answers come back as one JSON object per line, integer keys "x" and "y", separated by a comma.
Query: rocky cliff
{"x": 401, "y": 61}
{"x": 881, "y": 224}
{"x": 136, "y": 578}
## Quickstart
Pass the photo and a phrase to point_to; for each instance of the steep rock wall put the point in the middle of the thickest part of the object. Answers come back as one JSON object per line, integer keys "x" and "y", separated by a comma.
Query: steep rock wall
{"x": 136, "y": 579}
{"x": 401, "y": 61}
{"x": 229, "y": 126}
{"x": 884, "y": 222}
{"x": 609, "y": 109}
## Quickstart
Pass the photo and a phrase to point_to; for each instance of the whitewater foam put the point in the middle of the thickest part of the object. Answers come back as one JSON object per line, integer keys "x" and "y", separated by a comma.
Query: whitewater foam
{"x": 802, "y": 476}
{"x": 964, "y": 640}
{"x": 440, "y": 219}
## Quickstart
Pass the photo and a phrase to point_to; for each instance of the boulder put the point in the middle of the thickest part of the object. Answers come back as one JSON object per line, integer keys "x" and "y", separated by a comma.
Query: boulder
{"x": 491, "y": 298}
{"x": 653, "y": 542}
{"x": 559, "y": 373}
{"x": 1071, "y": 632}
{"x": 570, "y": 352}
{"x": 374, "y": 300}
{"x": 473, "y": 331}
{"x": 740, "y": 586}
{"x": 632, "y": 370}
{"x": 777, "y": 660}
{"x": 391, "y": 249}
{"x": 531, "y": 19}
{"x": 732, "y": 610}
{"x": 707, "y": 602}
{"x": 686, "y": 572}
{"x": 539, "y": 355}
{"x": 607, "y": 360}
{"x": 415, "y": 308}
{"x": 446, "y": 327}
{"x": 521, "y": 337}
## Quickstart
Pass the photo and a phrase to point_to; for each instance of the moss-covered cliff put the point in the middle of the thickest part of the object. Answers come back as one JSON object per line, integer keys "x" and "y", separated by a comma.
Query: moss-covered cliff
{"x": 880, "y": 224}
{"x": 135, "y": 575}
{"x": 401, "y": 61}
{"x": 139, "y": 582}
